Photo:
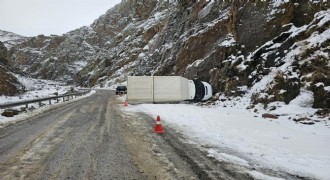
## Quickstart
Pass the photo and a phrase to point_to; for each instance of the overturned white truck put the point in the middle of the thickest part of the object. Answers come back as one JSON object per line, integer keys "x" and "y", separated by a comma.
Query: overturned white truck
{"x": 166, "y": 89}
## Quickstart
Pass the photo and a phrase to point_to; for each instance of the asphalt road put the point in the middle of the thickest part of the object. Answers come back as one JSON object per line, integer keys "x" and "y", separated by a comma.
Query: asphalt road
{"x": 93, "y": 139}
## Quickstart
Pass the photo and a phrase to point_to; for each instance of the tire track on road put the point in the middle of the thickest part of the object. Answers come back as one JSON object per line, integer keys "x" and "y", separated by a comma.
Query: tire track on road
{"x": 27, "y": 161}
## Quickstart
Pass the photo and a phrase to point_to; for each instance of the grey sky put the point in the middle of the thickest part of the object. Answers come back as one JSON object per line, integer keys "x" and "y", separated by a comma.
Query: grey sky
{"x": 33, "y": 17}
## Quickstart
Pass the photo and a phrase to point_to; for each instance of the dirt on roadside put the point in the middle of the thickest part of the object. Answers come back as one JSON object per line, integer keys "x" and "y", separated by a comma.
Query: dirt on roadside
{"x": 148, "y": 156}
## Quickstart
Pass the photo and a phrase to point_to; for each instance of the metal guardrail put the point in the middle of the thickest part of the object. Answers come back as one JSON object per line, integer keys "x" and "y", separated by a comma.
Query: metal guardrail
{"x": 27, "y": 102}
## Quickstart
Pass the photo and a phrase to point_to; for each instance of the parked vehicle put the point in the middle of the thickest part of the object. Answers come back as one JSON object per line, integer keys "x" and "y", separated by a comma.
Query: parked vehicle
{"x": 121, "y": 90}
{"x": 166, "y": 89}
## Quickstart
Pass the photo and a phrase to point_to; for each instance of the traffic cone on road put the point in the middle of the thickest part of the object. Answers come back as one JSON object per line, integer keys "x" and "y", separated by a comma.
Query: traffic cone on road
{"x": 158, "y": 128}
{"x": 125, "y": 103}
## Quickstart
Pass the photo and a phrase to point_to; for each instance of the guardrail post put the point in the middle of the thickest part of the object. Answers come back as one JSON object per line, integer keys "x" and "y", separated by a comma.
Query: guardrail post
{"x": 57, "y": 100}
{"x": 26, "y": 105}
{"x": 50, "y": 101}
{"x": 63, "y": 99}
{"x": 39, "y": 103}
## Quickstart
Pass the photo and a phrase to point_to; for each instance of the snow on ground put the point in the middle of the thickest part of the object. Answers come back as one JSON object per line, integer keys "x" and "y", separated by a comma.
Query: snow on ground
{"x": 36, "y": 88}
{"x": 230, "y": 132}
{"x": 39, "y": 110}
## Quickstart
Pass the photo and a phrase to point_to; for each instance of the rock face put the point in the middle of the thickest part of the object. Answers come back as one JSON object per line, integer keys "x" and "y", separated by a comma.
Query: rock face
{"x": 3, "y": 54}
{"x": 278, "y": 50}
{"x": 8, "y": 83}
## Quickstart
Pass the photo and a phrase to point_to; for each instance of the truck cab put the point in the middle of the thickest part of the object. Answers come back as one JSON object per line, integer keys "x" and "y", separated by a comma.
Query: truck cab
{"x": 203, "y": 91}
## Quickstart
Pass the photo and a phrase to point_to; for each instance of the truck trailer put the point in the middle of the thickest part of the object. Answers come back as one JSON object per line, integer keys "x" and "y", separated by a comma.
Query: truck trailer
{"x": 166, "y": 89}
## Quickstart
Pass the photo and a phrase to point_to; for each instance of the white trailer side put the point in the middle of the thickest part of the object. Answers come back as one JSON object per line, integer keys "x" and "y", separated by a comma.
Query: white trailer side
{"x": 159, "y": 89}
{"x": 170, "y": 89}
{"x": 140, "y": 89}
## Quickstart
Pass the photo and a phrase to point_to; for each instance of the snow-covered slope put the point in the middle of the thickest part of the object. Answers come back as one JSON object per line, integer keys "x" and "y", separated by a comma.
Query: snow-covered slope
{"x": 268, "y": 50}
{"x": 10, "y": 39}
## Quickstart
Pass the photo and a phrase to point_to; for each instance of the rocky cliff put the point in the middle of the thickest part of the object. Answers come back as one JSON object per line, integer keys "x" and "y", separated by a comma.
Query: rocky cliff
{"x": 9, "y": 85}
{"x": 275, "y": 50}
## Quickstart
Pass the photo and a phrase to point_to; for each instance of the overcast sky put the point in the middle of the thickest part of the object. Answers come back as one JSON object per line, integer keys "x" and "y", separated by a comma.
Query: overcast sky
{"x": 34, "y": 17}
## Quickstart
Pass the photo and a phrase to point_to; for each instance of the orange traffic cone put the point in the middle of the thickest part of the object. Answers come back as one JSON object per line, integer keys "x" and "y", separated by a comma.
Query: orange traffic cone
{"x": 158, "y": 128}
{"x": 125, "y": 103}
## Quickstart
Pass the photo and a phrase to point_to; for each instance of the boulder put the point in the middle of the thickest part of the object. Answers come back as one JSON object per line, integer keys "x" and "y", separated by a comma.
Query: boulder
{"x": 301, "y": 119}
{"x": 307, "y": 122}
{"x": 270, "y": 116}
{"x": 323, "y": 112}
{"x": 8, "y": 114}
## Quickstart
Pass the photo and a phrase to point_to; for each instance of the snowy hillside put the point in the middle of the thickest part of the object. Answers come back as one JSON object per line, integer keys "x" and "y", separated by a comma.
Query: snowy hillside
{"x": 271, "y": 52}
{"x": 36, "y": 88}
{"x": 11, "y": 39}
